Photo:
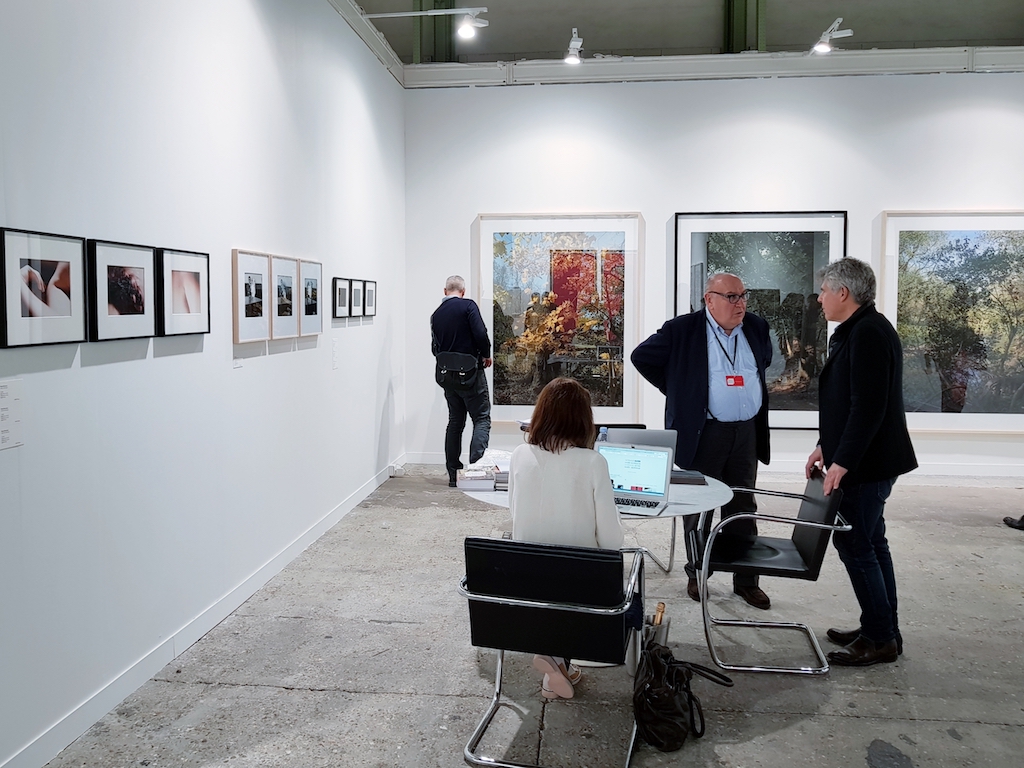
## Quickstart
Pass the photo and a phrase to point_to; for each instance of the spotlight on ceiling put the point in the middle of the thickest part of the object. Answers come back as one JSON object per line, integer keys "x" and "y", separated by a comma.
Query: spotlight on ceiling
{"x": 824, "y": 45}
{"x": 470, "y": 24}
{"x": 572, "y": 56}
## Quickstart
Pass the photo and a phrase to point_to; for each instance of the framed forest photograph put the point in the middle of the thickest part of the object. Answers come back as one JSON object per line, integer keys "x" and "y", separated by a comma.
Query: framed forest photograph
{"x": 42, "y": 288}
{"x": 953, "y": 285}
{"x": 561, "y": 295}
{"x": 777, "y": 256}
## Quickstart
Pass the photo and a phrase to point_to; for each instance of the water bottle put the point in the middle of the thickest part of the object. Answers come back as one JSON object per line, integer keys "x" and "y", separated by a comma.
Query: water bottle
{"x": 602, "y": 435}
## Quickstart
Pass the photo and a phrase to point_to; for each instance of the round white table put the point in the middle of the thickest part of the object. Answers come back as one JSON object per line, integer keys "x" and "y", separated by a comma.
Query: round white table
{"x": 683, "y": 500}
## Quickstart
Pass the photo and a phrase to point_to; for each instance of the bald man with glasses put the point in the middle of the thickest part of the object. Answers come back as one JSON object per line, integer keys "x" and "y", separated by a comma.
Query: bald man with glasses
{"x": 710, "y": 365}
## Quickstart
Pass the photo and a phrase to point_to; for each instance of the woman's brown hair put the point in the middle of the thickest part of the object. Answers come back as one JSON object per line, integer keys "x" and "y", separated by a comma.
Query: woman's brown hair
{"x": 562, "y": 417}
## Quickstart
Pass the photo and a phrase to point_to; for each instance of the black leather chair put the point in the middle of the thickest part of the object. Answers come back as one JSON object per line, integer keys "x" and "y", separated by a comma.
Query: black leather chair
{"x": 546, "y": 599}
{"x": 799, "y": 557}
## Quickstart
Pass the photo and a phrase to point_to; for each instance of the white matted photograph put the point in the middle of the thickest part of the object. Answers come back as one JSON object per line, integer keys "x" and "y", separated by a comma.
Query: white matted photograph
{"x": 42, "y": 288}
{"x": 311, "y": 320}
{"x": 122, "y": 290}
{"x": 250, "y": 277}
{"x": 369, "y": 298}
{"x": 776, "y": 255}
{"x": 342, "y": 292}
{"x": 356, "y": 308}
{"x": 284, "y": 303}
{"x": 183, "y": 293}
{"x": 562, "y": 295}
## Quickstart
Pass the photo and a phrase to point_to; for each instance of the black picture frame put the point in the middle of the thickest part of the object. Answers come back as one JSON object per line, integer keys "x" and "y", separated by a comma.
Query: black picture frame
{"x": 176, "y": 290}
{"x": 122, "y": 284}
{"x": 341, "y": 292}
{"x": 59, "y": 264}
{"x": 369, "y": 298}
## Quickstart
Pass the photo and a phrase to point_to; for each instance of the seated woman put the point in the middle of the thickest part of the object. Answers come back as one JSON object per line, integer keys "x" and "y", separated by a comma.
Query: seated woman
{"x": 560, "y": 492}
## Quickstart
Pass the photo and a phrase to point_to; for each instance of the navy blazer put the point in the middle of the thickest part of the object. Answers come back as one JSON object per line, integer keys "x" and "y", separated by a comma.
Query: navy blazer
{"x": 675, "y": 360}
{"x": 862, "y": 423}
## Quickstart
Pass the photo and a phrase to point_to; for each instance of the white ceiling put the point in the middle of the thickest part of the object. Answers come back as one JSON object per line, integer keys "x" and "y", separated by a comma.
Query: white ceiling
{"x": 540, "y": 29}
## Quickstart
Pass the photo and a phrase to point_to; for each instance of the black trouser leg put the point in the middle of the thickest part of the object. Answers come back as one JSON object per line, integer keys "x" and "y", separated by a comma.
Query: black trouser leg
{"x": 453, "y": 434}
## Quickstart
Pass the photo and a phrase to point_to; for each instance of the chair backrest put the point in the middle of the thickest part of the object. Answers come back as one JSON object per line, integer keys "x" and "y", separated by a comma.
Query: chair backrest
{"x": 546, "y": 573}
{"x": 812, "y": 543}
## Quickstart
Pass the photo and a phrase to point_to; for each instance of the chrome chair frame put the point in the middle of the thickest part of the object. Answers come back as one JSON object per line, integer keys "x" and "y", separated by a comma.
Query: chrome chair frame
{"x": 632, "y": 585}
{"x": 841, "y": 526}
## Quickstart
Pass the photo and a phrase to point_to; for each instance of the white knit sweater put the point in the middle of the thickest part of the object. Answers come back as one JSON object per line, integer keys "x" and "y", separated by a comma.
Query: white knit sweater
{"x": 562, "y": 498}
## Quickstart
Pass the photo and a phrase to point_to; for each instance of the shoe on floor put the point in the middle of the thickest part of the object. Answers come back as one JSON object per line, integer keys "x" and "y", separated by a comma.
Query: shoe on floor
{"x": 692, "y": 590}
{"x": 1014, "y": 522}
{"x": 554, "y": 680}
{"x": 574, "y": 674}
{"x": 863, "y": 653}
{"x": 845, "y": 637}
{"x": 453, "y": 478}
{"x": 545, "y": 689}
{"x": 754, "y": 596}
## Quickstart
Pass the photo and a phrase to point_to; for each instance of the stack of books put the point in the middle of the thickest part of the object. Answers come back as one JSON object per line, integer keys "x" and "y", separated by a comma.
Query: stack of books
{"x": 500, "y": 479}
{"x": 476, "y": 478}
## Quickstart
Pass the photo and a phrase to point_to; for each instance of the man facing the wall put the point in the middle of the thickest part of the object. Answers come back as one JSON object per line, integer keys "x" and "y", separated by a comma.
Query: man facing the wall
{"x": 710, "y": 365}
{"x": 865, "y": 445}
{"x": 462, "y": 350}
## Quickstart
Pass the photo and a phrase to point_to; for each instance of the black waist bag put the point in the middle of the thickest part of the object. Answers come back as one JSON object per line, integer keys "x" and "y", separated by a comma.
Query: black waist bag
{"x": 456, "y": 370}
{"x": 665, "y": 709}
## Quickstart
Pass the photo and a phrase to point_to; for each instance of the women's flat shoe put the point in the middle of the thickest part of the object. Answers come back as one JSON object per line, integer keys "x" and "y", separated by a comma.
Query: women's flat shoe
{"x": 554, "y": 681}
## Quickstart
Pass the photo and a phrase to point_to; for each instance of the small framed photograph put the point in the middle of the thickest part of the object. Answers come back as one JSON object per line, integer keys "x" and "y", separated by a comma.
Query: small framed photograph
{"x": 284, "y": 315}
{"x": 370, "y": 298}
{"x": 357, "y": 298}
{"x": 342, "y": 292}
{"x": 122, "y": 290}
{"x": 250, "y": 276}
{"x": 42, "y": 289}
{"x": 310, "y": 277}
{"x": 183, "y": 292}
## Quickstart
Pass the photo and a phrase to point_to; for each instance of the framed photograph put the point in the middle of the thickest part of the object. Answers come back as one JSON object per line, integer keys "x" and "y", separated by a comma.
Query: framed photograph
{"x": 342, "y": 294}
{"x": 122, "y": 290}
{"x": 777, "y": 256}
{"x": 284, "y": 298}
{"x": 369, "y": 298}
{"x": 311, "y": 320}
{"x": 560, "y": 295}
{"x": 953, "y": 286}
{"x": 356, "y": 308}
{"x": 182, "y": 293}
{"x": 250, "y": 278}
{"x": 42, "y": 288}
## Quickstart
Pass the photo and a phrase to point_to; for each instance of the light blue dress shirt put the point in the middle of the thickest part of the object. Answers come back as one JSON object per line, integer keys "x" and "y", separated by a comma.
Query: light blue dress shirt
{"x": 729, "y": 355}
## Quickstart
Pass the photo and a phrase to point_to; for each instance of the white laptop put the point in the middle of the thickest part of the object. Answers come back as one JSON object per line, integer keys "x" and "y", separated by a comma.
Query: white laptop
{"x": 640, "y": 476}
{"x": 665, "y": 438}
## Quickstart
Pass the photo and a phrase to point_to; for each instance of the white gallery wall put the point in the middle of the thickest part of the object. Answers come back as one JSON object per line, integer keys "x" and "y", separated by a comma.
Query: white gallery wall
{"x": 857, "y": 144}
{"x": 162, "y": 481}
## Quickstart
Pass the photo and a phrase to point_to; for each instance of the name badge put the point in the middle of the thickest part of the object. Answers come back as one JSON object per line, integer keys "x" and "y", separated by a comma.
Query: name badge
{"x": 734, "y": 381}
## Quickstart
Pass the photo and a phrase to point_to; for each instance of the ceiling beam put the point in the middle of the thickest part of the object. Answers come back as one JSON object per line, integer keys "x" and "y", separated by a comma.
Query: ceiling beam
{"x": 370, "y": 35}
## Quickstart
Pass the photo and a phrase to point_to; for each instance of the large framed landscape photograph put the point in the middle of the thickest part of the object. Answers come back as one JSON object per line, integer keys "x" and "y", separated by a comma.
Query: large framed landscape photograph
{"x": 777, "y": 255}
{"x": 250, "y": 278}
{"x": 183, "y": 292}
{"x": 953, "y": 285}
{"x": 42, "y": 288}
{"x": 561, "y": 296}
{"x": 122, "y": 290}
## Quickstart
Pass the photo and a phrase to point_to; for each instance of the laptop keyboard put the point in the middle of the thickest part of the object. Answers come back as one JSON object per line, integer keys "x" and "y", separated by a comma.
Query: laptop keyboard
{"x": 637, "y": 503}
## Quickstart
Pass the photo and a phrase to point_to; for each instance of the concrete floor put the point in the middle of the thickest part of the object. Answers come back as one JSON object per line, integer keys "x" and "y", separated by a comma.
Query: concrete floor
{"x": 358, "y": 654}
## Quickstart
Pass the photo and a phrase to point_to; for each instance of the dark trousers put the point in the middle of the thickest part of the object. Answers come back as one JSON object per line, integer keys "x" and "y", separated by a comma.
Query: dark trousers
{"x": 727, "y": 451}
{"x": 865, "y": 553}
{"x": 477, "y": 403}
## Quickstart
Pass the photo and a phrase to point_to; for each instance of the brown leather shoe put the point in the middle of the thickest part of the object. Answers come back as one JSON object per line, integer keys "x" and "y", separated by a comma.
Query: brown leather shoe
{"x": 754, "y": 596}
{"x": 1013, "y": 522}
{"x": 692, "y": 591}
{"x": 863, "y": 653}
{"x": 845, "y": 637}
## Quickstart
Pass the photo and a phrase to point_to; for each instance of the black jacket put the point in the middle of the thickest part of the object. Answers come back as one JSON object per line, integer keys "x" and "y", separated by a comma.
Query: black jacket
{"x": 675, "y": 360}
{"x": 861, "y": 420}
{"x": 456, "y": 326}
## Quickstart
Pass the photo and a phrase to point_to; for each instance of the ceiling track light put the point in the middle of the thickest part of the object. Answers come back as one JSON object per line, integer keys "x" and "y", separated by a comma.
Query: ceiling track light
{"x": 572, "y": 56}
{"x": 467, "y": 27}
{"x": 824, "y": 45}
{"x": 470, "y": 24}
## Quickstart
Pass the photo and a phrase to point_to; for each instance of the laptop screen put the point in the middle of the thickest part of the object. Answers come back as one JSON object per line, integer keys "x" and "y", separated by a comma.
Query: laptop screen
{"x": 640, "y": 472}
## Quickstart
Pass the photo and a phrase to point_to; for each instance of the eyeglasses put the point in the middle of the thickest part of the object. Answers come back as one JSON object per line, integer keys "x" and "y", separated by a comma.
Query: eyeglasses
{"x": 733, "y": 298}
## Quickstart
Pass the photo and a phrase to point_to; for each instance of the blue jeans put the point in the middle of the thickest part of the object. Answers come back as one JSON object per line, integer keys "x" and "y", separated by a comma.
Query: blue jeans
{"x": 865, "y": 553}
{"x": 475, "y": 402}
